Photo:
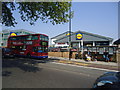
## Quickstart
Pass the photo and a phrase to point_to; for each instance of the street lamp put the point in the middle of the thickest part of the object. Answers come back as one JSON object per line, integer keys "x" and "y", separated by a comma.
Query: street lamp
{"x": 70, "y": 32}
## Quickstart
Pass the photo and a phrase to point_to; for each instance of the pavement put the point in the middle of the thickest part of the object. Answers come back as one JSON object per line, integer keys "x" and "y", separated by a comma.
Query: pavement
{"x": 80, "y": 62}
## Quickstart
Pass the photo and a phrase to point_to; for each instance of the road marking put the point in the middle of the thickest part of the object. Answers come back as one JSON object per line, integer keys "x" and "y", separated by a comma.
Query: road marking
{"x": 69, "y": 62}
{"x": 83, "y": 64}
{"x": 61, "y": 61}
{"x": 72, "y": 62}
{"x": 108, "y": 70}
{"x": 88, "y": 75}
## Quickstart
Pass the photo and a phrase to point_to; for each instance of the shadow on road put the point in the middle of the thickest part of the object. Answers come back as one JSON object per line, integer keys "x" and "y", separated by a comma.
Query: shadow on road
{"x": 47, "y": 60}
{"x": 6, "y": 73}
{"x": 25, "y": 64}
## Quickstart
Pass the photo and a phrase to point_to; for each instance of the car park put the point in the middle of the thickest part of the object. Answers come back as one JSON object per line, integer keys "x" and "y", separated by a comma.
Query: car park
{"x": 109, "y": 80}
{"x": 7, "y": 52}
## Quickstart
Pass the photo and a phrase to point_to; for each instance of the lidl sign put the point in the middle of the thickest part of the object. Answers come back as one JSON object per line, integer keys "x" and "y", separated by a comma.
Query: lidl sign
{"x": 13, "y": 34}
{"x": 79, "y": 36}
{"x": 68, "y": 34}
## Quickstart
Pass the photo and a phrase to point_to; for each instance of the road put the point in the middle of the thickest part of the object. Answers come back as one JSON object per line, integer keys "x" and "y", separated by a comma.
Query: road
{"x": 32, "y": 73}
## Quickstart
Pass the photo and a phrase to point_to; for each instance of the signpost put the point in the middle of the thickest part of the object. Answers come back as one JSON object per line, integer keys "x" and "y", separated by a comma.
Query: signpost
{"x": 79, "y": 36}
{"x": 70, "y": 33}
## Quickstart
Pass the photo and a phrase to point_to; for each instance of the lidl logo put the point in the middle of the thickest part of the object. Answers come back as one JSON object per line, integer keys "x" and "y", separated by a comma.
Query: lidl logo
{"x": 79, "y": 36}
{"x": 68, "y": 34}
{"x": 13, "y": 34}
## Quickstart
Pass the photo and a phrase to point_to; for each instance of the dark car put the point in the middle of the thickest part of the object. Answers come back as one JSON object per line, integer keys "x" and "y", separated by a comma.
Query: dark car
{"x": 7, "y": 52}
{"x": 109, "y": 80}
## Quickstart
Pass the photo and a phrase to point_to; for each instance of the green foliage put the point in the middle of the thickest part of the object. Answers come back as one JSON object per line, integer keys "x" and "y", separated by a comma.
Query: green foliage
{"x": 54, "y": 12}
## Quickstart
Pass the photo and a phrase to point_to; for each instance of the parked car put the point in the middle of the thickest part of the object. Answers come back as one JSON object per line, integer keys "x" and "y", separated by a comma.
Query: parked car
{"x": 74, "y": 49}
{"x": 109, "y": 80}
{"x": 7, "y": 52}
{"x": 54, "y": 49}
{"x": 64, "y": 49}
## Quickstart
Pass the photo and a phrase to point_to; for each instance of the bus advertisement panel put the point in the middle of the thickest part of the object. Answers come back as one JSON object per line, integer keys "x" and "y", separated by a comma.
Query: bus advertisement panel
{"x": 32, "y": 45}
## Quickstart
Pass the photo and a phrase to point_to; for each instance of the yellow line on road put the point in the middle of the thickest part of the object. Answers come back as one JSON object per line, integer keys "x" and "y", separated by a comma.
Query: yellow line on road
{"x": 72, "y": 62}
{"x": 83, "y": 64}
{"x": 69, "y": 62}
{"x": 61, "y": 61}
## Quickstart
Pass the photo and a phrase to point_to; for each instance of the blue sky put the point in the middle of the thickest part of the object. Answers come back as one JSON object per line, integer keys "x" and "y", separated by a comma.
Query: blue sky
{"x": 94, "y": 17}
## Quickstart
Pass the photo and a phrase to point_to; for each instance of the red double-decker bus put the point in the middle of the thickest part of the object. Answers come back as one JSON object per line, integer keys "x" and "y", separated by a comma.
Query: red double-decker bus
{"x": 32, "y": 45}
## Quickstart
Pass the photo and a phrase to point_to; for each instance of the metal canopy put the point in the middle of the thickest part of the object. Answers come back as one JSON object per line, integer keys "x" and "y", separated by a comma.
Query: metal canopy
{"x": 86, "y": 37}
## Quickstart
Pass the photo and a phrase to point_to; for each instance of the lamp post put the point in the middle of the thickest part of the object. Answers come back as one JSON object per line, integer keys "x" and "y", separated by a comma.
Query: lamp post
{"x": 70, "y": 33}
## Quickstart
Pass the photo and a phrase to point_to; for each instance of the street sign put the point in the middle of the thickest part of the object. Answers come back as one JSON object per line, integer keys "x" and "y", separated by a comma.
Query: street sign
{"x": 79, "y": 36}
{"x": 13, "y": 34}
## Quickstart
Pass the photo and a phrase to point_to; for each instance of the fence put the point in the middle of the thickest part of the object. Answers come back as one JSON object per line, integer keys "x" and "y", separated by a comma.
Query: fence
{"x": 59, "y": 52}
{"x": 112, "y": 58}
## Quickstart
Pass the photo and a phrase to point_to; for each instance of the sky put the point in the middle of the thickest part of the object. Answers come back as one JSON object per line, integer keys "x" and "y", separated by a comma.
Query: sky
{"x": 94, "y": 17}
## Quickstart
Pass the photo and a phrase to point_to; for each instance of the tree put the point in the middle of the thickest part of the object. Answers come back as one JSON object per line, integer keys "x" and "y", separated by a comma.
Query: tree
{"x": 54, "y": 12}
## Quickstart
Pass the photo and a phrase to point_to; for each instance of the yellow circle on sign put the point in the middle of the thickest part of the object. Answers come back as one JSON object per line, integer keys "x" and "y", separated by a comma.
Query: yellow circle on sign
{"x": 79, "y": 36}
{"x": 68, "y": 34}
{"x": 13, "y": 34}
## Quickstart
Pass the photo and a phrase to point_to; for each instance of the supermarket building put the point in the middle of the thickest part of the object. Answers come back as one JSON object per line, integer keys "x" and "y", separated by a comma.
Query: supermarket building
{"x": 88, "y": 39}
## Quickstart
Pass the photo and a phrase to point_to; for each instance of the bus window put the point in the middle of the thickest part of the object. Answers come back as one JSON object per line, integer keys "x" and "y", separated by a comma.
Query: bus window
{"x": 40, "y": 49}
{"x": 29, "y": 37}
{"x": 12, "y": 38}
{"x": 34, "y": 37}
{"x": 18, "y": 38}
{"x": 24, "y": 48}
{"x": 43, "y": 43}
{"x": 13, "y": 47}
{"x": 37, "y": 49}
{"x": 46, "y": 38}
{"x": 44, "y": 49}
{"x": 19, "y": 48}
{"x": 23, "y": 38}
{"x": 41, "y": 37}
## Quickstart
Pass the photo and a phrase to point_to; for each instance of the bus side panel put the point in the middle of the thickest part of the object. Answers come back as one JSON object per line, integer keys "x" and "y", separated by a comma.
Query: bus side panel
{"x": 39, "y": 55}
